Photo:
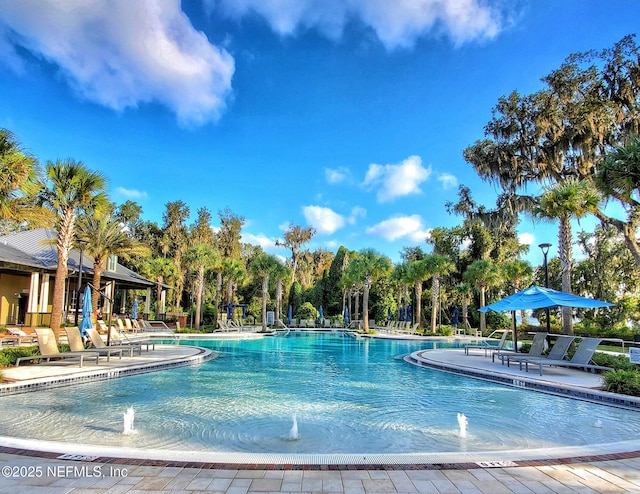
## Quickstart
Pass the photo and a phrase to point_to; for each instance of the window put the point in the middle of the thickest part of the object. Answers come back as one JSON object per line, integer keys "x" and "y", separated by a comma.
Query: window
{"x": 112, "y": 263}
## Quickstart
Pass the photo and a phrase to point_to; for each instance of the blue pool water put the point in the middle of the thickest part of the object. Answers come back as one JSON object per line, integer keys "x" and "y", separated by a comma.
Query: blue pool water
{"x": 348, "y": 395}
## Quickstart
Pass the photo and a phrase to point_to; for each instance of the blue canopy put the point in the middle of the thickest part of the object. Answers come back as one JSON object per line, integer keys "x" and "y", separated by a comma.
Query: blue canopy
{"x": 321, "y": 314}
{"x": 345, "y": 315}
{"x": 389, "y": 314}
{"x": 537, "y": 297}
{"x": 401, "y": 314}
{"x": 290, "y": 314}
{"x": 408, "y": 313}
{"x": 86, "y": 312}
{"x": 455, "y": 316}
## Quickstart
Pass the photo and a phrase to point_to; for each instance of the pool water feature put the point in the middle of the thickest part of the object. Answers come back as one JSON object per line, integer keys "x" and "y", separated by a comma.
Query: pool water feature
{"x": 339, "y": 394}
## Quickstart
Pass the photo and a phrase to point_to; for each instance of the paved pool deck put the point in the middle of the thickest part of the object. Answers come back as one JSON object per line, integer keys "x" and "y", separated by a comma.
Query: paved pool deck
{"x": 40, "y": 466}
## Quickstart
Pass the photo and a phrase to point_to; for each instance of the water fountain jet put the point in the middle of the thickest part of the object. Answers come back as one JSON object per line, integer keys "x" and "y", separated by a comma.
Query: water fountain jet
{"x": 129, "y": 417}
{"x": 293, "y": 433}
{"x": 462, "y": 424}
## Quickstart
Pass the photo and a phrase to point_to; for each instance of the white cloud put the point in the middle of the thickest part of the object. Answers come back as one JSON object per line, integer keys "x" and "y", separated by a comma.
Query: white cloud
{"x": 259, "y": 239}
{"x": 120, "y": 54}
{"x": 131, "y": 193}
{"x": 526, "y": 238}
{"x": 396, "y": 24}
{"x": 411, "y": 228}
{"x": 447, "y": 180}
{"x": 335, "y": 176}
{"x": 356, "y": 212}
{"x": 324, "y": 220}
{"x": 397, "y": 180}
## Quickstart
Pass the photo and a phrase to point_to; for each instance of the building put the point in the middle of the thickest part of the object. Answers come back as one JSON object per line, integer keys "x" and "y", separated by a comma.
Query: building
{"x": 28, "y": 262}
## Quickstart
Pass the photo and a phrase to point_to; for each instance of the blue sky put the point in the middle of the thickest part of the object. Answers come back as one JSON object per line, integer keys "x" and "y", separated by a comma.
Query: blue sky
{"x": 348, "y": 116}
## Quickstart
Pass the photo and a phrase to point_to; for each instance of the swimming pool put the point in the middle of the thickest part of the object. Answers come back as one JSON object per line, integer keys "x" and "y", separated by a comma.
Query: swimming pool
{"x": 311, "y": 393}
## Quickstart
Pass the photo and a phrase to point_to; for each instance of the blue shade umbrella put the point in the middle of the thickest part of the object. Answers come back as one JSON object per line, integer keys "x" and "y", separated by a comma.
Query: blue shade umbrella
{"x": 134, "y": 309}
{"x": 389, "y": 314}
{"x": 408, "y": 313}
{"x": 455, "y": 315}
{"x": 86, "y": 312}
{"x": 345, "y": 315}
{"x": 401, "y": 314}
{"x": 321, "y": 314}
{"x": 537, "y": 297}
{"x": 290, "y": 314}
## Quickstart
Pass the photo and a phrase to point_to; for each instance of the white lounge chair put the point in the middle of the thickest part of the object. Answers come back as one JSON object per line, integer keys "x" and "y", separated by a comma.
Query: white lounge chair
{"x": 77, "y": 345}
{"x": 48, "y": 347}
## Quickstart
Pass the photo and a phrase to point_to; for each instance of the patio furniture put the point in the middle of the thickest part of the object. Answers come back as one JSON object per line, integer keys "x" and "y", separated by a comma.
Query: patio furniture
{"x": 48, "y": 347}
{"x": 581, "y": 358}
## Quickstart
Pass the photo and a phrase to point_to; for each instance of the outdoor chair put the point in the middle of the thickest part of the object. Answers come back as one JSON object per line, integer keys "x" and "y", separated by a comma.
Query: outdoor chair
{"x": 48, "y": 346}
{"x": 558, "y": 352}
{"x": 536, "y": 349}
{"x": 96, "y": 341}
{"x": 487, "y": 347}
{"x": 77, "y": 345}
{"x": 581, "y": 358}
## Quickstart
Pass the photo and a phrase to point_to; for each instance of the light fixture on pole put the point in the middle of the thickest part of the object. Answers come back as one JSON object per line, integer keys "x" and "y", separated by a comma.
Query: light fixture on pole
{"x": 545, "y": 250}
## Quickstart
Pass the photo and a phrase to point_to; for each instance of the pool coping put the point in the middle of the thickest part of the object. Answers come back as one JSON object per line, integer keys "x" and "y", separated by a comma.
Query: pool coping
{"x": 420, "y": 359}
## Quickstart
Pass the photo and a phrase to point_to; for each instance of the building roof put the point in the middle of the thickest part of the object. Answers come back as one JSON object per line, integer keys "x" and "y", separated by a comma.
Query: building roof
{"x": 37, "y": 249}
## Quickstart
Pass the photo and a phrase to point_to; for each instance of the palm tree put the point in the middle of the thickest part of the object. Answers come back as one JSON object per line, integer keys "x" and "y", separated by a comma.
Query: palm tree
{"x": 565, "y": 201}
{"x": 70, "y": 188}
{"x": 263, "y": 266}
{"x": 201, "y": 256}
{"x": 619, "y": 178}
{"x": 371, "y": 266}
{"x": 103, "y": 237}
{"x": 517, "y": 273}
{"x": 294, "y": 238}
{"x": 464, "y": 293}
{"x": 158, "y": 269}
{"x": 483, "y": 274}
{"x": 437, "y": 265}
{"x": 417, "y": 273}
{"x": 18, "y": 185}
{"x": 400, "y": 279}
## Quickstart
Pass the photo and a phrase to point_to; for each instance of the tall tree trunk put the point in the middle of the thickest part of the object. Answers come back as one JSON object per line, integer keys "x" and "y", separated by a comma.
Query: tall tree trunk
{"x": 97, "y": 279}
{"x": 566, "y": 261}
{"x": 265, "y": 292}
{"x": 365, "y": 304}
{"x": 418, "y": 290}
{"x": 279, "y": 299}
{"x": 199, "y": 290}
{"x": 356, "y": 312}
{"x": 435, "y": 301}
{"x": 65, "y": 238}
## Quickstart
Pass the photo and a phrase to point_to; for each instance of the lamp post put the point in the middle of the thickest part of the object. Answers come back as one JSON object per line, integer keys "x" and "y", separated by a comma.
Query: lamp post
{"x": 545, "y": 250}
{"x": 82, "y": 244}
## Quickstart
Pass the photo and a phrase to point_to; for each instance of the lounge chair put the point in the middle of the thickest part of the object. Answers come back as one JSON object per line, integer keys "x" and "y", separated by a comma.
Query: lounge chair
{"x": 558, "y": 352}
{"x": 77, "y": 345}
{"x": 536, "y": 349}
{"x": 96, "y": 341}
{"x": 121, "y": 339}
{"x": 581, "y": 358}
{"x": 48, "y": 346}
{"x": 489, "y": 347}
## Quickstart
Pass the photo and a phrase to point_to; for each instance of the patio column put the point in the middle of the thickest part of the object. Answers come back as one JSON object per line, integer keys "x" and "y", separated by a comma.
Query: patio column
{"x": 147, "y": 304}
{"x": 32, "y": 306}
{"x": 44, "y": 293}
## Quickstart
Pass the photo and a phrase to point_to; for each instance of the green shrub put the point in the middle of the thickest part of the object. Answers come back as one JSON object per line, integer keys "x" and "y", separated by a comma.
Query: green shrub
{"x": 8, "y": 356}
{"x": 616, "y": 362}
{"x": 307, "y": 311}
{"x": 621, "y": 381}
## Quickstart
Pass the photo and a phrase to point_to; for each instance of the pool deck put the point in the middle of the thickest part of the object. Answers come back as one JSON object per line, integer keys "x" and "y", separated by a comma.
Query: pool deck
{"x": 40, "y": 466}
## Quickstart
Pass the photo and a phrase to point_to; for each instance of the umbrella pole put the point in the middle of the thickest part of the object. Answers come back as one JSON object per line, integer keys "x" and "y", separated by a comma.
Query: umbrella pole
{"x": 515, "y": 331}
